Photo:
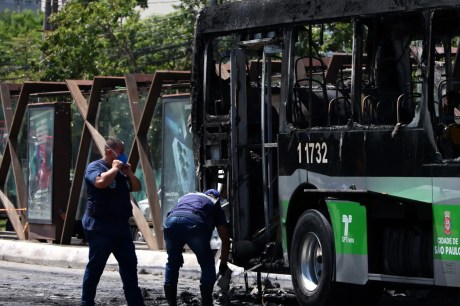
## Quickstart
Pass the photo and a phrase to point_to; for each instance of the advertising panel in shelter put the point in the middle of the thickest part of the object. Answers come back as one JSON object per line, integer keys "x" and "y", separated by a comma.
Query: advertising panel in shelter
{"x": 40, "y": 160}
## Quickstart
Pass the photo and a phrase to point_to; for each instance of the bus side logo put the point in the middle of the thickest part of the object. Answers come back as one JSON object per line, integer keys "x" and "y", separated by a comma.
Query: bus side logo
{"x": 447, "y": 228}
{"x": 346, "y": 221}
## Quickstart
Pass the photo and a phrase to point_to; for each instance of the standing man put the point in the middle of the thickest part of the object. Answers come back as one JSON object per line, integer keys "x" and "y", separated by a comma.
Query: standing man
{"x": 192, "y": 222}
{"x": 109, "y": 182}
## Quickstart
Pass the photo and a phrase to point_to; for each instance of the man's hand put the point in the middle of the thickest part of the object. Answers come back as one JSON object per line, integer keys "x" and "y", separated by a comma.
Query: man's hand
{"x": 126, "y": 169}
{"x": 133, "y": 179}
{"x": 117, "y": 164}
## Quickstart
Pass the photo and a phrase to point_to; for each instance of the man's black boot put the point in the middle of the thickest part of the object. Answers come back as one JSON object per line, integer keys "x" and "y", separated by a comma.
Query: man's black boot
{"x": 206, "y": 295}
{"x": 134, "y": 296}
{"x": 171, "y": 294}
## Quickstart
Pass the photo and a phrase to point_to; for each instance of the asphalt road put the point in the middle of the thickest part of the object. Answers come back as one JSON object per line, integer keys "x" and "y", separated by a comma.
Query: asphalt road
{"x": 25, "y": 284}
{"x": 28, "y": 284}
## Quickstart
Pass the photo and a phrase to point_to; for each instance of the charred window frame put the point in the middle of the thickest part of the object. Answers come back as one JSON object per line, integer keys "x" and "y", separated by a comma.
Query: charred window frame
{"x": 319, "y": 81}
{"x": 445, "y": 81}
{"x": 385, "y": 91}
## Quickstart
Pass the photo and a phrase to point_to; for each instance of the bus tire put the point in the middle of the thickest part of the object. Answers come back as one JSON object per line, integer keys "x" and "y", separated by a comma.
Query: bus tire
{"x": 312, "y": 259}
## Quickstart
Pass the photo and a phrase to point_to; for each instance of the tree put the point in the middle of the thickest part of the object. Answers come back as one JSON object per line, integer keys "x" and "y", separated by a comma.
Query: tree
{"x": 165, "y": 42}
{"x": 107, "y": 37}
{"x": 20, "y": 38}
{"x": 92, "y": 38}
{"x": 329, "y": 37}
{"x": 338, "y": 37}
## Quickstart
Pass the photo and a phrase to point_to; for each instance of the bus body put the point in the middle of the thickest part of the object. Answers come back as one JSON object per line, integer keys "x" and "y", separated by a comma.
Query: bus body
{"x": 341, "y": 171}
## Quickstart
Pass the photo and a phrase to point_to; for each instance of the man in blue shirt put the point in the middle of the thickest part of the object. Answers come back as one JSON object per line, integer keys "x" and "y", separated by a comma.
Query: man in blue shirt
{"x": 192, "y": 222}
{"x": 109, "y": 182}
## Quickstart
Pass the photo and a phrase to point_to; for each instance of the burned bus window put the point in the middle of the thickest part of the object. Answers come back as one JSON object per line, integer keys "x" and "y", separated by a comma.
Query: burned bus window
{"x": 391, "y": 94}
{"x": 218, "y": 75}
{"x": 387, "y": 89}
{"x": 322, "y": 77}
{"x": 446, "y": 92}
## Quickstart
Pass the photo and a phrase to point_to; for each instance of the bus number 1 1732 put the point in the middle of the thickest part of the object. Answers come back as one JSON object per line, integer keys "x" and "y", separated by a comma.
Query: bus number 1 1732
{"x": 315, "y": 152}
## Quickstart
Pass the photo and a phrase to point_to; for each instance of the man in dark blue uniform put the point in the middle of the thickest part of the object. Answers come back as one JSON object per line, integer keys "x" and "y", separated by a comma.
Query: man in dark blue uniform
{"x": 192, "y": 222}
{"x": 109, "y": 182}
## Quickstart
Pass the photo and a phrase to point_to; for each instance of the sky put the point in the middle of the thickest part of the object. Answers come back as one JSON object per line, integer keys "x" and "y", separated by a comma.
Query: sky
{"x": 159, "y": 7}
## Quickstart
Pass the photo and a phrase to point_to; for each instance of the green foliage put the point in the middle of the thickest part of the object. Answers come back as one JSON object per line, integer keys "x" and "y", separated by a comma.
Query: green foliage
{"x": 335, "y": 37}
{"x": 20, "y": 38}
{"x": 108, "y": 38}
{"x": 165, "y": 43}
{"x": 92, "y": 38}
{"x": 338, "y": 37}
{"x": 189, "y": 10}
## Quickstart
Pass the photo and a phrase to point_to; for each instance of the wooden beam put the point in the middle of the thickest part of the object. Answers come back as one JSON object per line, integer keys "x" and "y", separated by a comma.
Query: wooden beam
{"x": 154, "y": 242}
{"x": 13, "y": 216}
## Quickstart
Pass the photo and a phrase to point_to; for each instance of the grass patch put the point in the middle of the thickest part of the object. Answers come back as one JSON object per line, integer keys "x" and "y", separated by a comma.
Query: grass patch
{"x": 2, "y": 224}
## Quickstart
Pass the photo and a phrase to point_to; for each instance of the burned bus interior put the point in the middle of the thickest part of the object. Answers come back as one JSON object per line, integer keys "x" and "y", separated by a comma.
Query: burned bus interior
{"x": 393, "y": 51}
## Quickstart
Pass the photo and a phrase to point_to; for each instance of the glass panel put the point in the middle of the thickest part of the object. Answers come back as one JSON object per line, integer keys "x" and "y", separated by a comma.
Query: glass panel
{"x": 40, "y": 160}
{"x": 155, "y": 137}
{"x": 114, "y": 118}
{"x": 178, "y": 165}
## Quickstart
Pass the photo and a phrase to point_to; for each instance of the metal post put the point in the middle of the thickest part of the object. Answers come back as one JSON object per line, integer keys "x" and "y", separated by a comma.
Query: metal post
{"x": 356, "y": 72}
{"x": 46, "y": 25}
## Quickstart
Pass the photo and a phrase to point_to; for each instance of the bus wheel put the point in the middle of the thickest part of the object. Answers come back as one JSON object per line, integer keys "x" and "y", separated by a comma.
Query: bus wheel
{"x": 312, "y": 259}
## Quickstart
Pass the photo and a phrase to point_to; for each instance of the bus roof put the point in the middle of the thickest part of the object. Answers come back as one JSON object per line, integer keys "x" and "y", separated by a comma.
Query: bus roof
{"x": 253, "y": 14}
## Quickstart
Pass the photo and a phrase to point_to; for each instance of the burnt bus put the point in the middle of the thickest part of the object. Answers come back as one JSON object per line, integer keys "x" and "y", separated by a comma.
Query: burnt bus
{"x": 343, "y": 170}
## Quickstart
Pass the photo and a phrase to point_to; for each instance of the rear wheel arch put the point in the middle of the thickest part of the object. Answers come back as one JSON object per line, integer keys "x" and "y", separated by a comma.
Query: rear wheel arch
{"x": 299, "y": 202}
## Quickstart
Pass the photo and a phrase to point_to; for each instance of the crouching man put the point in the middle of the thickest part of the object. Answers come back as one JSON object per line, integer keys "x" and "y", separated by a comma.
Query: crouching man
{"x": 192, "y": 222}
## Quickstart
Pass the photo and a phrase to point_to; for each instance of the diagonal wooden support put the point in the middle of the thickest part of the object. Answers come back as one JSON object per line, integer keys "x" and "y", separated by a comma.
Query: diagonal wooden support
{"x": 75, "y": 88}
{"x": 88, "y": 111}
{"x": 13, "y": 216}
{"x": 141, "y": 120}
{"x": 154, "y": 242}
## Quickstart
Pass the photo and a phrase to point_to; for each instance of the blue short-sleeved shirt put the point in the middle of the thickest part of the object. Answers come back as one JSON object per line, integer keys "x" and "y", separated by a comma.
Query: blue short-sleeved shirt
{"x": 110, "y": 207}
{"x": 204, "y": 208}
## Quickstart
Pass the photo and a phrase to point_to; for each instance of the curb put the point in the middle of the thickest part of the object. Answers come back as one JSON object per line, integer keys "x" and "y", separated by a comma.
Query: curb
{"x": 66, "y": 256}
{"x": 76, "y": 257}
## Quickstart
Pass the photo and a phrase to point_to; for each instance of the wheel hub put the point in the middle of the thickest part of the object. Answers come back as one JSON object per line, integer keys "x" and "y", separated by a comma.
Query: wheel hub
{"x": 311, "y": 262}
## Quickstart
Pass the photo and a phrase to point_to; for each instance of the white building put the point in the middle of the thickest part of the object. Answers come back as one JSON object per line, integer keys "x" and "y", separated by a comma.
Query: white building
{"x": 20, "y": 5}
{"x": 155, "y": 6}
